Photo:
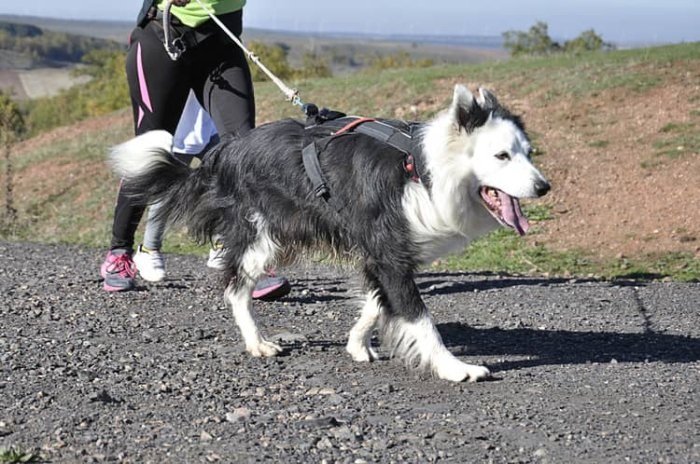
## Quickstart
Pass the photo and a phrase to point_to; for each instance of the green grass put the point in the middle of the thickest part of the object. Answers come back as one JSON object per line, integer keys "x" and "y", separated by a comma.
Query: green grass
{"x": 505, "y": 252}
{"x": 678, "y": 139}
{"x": 599, "y": 143}
{"x": 14, "y": 455}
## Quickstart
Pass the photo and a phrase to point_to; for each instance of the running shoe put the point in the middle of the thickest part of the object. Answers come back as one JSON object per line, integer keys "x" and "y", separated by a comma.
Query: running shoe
{"x": 216, "y": 257}
{"x": 271, "y": 287}
{"x": 118, "y": 271}
{"x": 268, "y": 288}
{"x": 150, "y": 264}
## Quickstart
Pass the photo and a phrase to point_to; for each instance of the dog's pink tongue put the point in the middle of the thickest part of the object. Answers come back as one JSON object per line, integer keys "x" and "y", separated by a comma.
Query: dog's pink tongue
{"x": 512, "y": 214}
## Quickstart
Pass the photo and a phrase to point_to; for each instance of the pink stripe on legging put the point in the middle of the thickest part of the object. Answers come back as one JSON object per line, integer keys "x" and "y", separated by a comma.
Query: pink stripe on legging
{"x": 142, "y": 80}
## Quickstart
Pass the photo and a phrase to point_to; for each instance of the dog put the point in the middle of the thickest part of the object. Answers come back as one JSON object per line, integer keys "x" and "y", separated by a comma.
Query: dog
{"x": 254, "y": 192}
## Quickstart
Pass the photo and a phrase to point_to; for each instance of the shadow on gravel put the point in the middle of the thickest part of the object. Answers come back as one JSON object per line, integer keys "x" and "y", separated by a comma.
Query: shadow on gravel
{"x": 313, "y": 298}
{"x": 557, "y": 347}
{"x": 436, "y": 284}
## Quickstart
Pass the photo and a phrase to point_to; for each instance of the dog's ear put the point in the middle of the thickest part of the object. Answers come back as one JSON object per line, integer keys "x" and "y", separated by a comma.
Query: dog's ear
{"x": 467, "y": 112}
{"x": 487, "y": 100}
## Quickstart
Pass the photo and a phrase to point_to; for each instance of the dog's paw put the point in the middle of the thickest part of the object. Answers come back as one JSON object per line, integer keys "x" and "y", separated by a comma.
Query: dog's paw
{"x": 476, "y": 373}
{"x": 457, "y": 371}
{"x": 361, "y": 352}
{"x": 264, "y": 349}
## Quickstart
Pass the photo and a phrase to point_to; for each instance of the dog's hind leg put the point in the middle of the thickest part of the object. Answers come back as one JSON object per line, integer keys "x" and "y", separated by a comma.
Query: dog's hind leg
{"x": 411, "y": 334}
{"x": 253, "y": 263}
{"x": 238, "y": 294}
{"x": 360, "y": 335}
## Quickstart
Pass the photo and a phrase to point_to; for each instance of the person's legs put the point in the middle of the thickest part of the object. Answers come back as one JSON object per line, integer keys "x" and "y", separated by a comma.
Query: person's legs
{"x": 155, "y": 228}
{"x": 158, "y": 88}
{"x": 148, "y": 258}
{"x": 224, "y": 85}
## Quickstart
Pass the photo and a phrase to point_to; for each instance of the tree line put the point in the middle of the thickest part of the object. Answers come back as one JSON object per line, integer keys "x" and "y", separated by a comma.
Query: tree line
{"x": 536, "y": 41}
{"x": 42, "y": 45}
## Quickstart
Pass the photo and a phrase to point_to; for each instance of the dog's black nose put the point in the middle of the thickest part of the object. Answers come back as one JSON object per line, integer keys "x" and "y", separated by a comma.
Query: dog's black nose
{"x": 542, "y": 187}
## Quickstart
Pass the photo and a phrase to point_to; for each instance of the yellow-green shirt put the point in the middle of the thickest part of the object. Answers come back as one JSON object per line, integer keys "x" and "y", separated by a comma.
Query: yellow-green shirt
{"x": 193, "y": 14}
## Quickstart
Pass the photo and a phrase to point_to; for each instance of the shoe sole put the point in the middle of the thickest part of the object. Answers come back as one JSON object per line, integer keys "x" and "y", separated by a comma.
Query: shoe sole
{"x": 272, "y": 293}
{"x": 151, "y": 277}
{"x": 110, "y": 288}
{"x": 216, "y": 266}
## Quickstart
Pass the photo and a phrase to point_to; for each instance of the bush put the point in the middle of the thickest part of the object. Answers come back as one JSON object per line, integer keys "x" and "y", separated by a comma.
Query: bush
{"x": 12, "y": 125}
{"x": 11, "y": 129}
{"x": 275, "y": 56}
{"x": 313, "y": 65}
{"x": 536, "y": 41}
{"x": 587, "y": 41}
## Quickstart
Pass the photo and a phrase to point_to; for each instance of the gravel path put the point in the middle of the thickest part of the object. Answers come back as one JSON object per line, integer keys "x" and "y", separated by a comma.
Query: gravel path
{"x": 585, "y": 371}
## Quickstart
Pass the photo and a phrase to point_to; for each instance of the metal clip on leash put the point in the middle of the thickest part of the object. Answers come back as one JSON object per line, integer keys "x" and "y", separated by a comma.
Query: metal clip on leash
{"x": 175, "y": 47}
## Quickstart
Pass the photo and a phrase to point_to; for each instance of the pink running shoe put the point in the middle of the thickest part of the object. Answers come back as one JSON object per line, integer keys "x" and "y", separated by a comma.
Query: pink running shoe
{"x": 118, "y": 271}
{"x": 271, "y": 287}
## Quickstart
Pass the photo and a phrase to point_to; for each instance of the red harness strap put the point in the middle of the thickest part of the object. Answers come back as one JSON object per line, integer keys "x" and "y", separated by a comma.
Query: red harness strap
{"x": 352, "y": 124}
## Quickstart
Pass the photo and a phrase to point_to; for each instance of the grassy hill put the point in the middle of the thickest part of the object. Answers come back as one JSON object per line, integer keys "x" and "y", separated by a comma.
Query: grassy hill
{"x": 617, "y": 133}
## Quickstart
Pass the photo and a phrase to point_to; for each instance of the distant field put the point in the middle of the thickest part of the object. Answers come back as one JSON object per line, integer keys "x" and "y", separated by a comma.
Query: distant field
{"x": 49, "y": 81}
{"x": 37, "y": 83}
{"x": 11, "y": 83}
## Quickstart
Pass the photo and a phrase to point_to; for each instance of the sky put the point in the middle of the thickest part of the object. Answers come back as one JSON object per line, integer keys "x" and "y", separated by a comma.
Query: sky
{"x": 618, "y": 21}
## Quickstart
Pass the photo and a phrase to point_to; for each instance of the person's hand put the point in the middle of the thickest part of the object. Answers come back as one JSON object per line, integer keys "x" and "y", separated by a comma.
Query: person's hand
{"x": 180, "y": 2}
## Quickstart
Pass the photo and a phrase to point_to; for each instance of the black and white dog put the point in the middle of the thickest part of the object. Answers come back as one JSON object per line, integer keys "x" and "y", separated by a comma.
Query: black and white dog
{"x": 475, "y": 163}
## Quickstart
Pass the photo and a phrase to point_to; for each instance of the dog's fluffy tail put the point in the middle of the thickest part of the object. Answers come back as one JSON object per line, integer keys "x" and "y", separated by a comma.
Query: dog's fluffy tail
{"x": 150, "y": 175}
{"x": 142, "y": 154}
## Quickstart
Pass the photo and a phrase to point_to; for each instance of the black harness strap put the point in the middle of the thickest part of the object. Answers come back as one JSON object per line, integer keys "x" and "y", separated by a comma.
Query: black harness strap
{"x": 309, "y": 155}
{"x": 339, "y": 124}
{"x": 398, "y": 139}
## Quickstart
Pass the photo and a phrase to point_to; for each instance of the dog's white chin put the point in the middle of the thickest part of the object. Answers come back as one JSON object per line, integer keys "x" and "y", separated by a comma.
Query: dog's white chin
{"x": 504, "y": 208}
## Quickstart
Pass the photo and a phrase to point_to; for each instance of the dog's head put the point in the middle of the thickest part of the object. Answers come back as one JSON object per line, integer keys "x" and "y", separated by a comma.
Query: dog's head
{"x": 488, "y": 150}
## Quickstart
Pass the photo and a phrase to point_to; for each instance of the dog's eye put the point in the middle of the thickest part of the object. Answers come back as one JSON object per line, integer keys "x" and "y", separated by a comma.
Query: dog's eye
{"x": 503, "y": 156}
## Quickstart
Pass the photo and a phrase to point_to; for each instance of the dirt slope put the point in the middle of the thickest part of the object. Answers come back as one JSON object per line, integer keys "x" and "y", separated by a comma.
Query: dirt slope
{"x": 613, "y": 192}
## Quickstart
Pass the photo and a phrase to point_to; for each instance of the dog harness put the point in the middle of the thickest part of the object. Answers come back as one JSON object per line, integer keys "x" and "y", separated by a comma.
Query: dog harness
{"x": 398, "y": 135}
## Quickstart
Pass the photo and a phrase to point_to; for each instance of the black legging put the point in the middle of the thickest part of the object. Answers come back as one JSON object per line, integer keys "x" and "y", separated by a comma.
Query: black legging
{"x": 215, "y": 69}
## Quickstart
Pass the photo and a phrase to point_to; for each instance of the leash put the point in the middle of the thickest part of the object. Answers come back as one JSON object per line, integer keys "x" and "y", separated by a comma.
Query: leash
{"x": 175, "y": 48}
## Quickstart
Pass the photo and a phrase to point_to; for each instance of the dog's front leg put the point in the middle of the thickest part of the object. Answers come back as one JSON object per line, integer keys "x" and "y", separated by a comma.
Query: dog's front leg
{"x": 238, "y": 294}
{"x": 411, "y": 334}
{"x": 360, "y": 335}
